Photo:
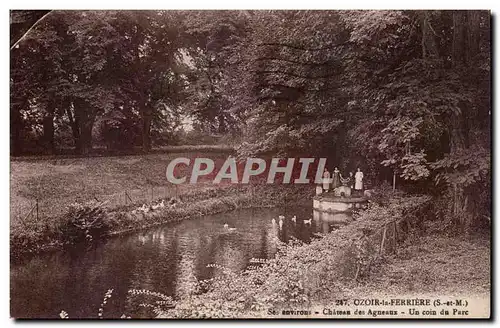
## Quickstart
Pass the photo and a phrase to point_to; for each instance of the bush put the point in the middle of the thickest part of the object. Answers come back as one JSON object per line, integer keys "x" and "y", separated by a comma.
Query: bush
{"x": 384, "y": 193}
{"x": 301, "y": 274}
{"x": 83, "y": 222}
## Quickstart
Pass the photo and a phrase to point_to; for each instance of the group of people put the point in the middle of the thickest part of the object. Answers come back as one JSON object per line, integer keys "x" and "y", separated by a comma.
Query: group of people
{"x": 353, "y": 181}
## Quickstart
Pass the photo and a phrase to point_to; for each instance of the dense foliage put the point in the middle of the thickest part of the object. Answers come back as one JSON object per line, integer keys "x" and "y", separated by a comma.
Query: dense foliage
{"x": 301, "y": 275}
{"x": 84, "y": 223}
{"x": 404, "y": 95}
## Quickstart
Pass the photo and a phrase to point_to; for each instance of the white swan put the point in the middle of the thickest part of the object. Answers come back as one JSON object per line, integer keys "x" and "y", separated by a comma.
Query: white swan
{"x": 144, "y": 208}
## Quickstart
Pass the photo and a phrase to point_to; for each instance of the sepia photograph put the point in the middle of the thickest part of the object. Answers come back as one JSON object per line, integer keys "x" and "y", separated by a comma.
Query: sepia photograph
{"x": 250, "y": 164}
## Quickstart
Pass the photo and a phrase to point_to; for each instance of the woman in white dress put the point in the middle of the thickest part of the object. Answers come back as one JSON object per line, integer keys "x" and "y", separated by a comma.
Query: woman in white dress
{"x": 326, "y": 180}
{"x": 358, "y": 178}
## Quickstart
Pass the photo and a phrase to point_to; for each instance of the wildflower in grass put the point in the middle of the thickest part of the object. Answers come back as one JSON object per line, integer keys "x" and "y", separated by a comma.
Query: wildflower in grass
{"x": 104, "y": 301}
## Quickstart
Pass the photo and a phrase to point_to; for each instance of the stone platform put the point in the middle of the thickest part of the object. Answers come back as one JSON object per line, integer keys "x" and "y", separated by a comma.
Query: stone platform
{"x": 332, "y": 217}
{"x": 328, "y": 202}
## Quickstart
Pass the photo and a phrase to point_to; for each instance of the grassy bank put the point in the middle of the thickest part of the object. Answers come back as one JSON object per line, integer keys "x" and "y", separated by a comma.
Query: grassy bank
{"x": 58, "y": 231}
{"x": 349, "y": 263}
{"x": 433, "y": 264}
{"x": 302, "y": 275}
{"x": 196, "y": 204}
{"x": 69, "y": 153}
{"x": 397, "y": 250}
{"x": 57, "y": 183}
{"x": 42, "y": 190}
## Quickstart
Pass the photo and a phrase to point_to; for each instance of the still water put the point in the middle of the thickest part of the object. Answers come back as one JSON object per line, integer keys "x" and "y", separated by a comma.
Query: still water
{"x": 166, "y": 259}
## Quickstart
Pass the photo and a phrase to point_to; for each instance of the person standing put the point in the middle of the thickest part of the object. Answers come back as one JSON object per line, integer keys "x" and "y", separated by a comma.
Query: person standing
{"x": 326, "y": 180}
{"x": 336, "y": 178}
{"x": 358, "y": 177}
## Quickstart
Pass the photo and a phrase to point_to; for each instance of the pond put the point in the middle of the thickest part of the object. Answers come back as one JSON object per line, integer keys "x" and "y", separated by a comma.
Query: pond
{"x": 166, "y": 259}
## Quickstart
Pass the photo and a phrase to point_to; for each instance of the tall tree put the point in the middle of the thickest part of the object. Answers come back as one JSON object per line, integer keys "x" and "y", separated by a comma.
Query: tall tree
{"x": 291, "y": 94}
{"x": 419, "y": 97}
{"x": 214, "y": 40}
{"x": 152, "y": 77}
{"x": 79, "y": 65}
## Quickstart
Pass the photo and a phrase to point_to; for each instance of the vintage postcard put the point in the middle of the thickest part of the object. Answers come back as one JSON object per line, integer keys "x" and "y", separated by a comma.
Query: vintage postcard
{"x": 272, "y": 164}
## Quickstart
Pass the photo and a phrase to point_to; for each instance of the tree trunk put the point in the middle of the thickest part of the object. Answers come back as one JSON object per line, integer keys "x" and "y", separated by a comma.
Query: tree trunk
{"x": 83, "y": 121}
{"x": 16, "y": 129}
{"x": 473, "y": 26}
{"x": 147, "y": 118}
{"x": 222, "y": 124}
{"x": 74, "y": 127}
{"x": 457, "y": 139}
{"x": 429, "y": 45}
{"x": 86, "y": 137}
{"x": 465, "y": 48}
{"x": 460, "y": 56}
{"x": 48, "y": 129}
{"x": 458, "y": 45}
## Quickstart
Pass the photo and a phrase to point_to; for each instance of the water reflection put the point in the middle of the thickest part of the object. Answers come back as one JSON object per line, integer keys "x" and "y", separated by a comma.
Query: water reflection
{"x": 328, "y": 221}
{"x": 168, "y": 259}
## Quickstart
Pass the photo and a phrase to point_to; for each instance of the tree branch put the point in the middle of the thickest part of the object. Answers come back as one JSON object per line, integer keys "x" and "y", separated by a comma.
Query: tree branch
{"x": 296, "y": 75}
{"x": 295, "y": 88}
{"x": 333, "y": 46}
{"x": 29, "y": 30}
{"x": 294, "y": 61}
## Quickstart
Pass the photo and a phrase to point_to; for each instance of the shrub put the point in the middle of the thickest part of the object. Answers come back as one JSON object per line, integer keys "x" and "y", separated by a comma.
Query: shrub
{"x": 83, "y": 222}
{"x": 300, "y": 274}
{"x": 384, "y": 193}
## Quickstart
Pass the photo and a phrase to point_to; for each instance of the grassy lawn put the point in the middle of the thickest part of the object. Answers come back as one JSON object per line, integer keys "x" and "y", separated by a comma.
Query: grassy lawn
{"x": 428, "y": 263}
{"x": 56, "y": 183}
{"x": 434, "y": 265}
{"x": 122, "y": 183}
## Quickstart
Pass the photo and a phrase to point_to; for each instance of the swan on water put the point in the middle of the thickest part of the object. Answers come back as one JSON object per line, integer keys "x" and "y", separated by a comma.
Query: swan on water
{"x": 143, "y": 208}
{"x": 159, "y": 205}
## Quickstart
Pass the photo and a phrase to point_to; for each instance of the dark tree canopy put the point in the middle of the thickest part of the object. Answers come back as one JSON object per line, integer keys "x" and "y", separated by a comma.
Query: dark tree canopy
{"x": 398, "y": 93}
